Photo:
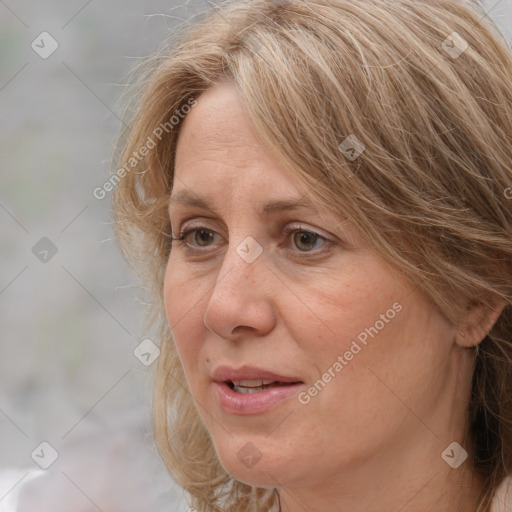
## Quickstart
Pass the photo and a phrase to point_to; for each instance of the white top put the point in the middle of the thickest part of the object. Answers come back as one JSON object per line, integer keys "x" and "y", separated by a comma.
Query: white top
{"x": 502, "y": 501}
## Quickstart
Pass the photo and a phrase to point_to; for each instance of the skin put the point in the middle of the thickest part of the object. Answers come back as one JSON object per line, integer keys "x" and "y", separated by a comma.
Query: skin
{"x": 372, "y": 438}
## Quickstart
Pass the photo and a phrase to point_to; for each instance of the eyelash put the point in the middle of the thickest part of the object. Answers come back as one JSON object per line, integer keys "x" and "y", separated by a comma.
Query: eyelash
{"x": 286, "y": 231}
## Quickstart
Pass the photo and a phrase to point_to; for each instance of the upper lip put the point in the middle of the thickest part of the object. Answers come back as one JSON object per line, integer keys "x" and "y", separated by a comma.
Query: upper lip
{"x": 225, "y": 373}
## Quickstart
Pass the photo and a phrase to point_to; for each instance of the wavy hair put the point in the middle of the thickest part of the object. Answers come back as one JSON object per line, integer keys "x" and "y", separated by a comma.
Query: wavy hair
{"x": 425, "y": 86}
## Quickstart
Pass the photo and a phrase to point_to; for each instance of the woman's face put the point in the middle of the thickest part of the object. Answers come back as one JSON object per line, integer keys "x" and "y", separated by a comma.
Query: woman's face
{"x": 375, "y": 363}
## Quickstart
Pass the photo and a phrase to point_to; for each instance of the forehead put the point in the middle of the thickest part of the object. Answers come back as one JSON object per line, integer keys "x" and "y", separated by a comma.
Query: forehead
{"x": 218, "y": 123}
{"x": 217, "y": 143}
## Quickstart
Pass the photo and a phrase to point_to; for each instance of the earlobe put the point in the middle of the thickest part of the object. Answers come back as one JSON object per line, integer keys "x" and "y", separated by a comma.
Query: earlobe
{"x": 466, "y": 338}
{"x": 477, "y": 323}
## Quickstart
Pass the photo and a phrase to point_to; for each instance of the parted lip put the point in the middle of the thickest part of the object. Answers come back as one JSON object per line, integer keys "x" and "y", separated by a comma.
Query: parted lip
{"x": 225, "y": 373}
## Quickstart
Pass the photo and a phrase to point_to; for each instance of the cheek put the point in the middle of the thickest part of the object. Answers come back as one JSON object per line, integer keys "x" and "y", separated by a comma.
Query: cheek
{"x": 183, "y": 301}
{"x": 347, "y": 307}
{"x": 173, "y": 288}
{"x": 363, "y": 325}
{"x": 394, "y": 349}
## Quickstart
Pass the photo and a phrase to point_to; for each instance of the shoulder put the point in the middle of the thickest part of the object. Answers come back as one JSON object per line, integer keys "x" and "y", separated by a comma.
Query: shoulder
{"x": 502, "y": 501}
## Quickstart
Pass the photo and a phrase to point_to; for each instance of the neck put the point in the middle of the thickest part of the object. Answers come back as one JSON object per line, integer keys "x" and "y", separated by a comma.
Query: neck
{"x": 440, "y": 489}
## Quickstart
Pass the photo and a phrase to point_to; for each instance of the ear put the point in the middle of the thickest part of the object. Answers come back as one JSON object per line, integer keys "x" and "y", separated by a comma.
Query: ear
{"x": 477, "y": 322}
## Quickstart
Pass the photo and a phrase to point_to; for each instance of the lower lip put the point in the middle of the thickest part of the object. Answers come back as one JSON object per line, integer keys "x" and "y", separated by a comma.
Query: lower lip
{"x": 253, "y": 403}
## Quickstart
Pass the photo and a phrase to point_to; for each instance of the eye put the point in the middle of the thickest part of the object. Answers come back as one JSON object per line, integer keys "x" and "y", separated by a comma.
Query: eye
{"x": 302, "y": 239}
{"x": 201, "y": 235}
{"x": 196, "y": 240}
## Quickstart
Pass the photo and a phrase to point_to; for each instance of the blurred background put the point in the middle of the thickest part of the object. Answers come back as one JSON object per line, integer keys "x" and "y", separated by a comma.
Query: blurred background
{"x": 76, "y": 369}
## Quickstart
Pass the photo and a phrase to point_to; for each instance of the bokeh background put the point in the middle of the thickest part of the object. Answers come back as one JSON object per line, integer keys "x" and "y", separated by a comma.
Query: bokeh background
{"x": 74, "y": 398}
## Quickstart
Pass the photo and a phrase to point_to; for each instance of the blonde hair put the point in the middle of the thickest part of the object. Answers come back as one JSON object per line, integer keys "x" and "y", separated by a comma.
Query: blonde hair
{"x": 430, "y": 192}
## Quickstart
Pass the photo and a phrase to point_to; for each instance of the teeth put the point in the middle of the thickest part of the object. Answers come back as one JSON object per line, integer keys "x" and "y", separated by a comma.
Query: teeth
{"x": 254, "y": 386}
{"x": 252, "y": 383}
{"x": 248, "y": 390}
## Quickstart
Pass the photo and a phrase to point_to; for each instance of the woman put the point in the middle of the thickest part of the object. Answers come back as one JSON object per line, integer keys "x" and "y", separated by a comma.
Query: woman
{"x": 318, "y": 193}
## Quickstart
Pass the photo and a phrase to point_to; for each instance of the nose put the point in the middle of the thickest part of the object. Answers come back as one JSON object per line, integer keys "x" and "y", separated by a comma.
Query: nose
{"x": 240, "y": 304}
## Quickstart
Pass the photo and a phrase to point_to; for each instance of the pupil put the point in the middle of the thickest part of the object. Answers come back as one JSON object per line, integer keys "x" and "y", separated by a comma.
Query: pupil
{"x": 204, "y": 236}
{"x": 305, "y": 237}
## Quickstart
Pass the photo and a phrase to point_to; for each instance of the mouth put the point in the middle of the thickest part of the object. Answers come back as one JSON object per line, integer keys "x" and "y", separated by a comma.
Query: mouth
{"x": 251, "y": 390}
{"x": 249, "y": 379}
{"x": 256, "y": 386}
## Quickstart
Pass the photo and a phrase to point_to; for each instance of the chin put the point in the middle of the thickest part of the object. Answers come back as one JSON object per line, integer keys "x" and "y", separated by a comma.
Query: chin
{"x": 255, "y": 477}
{"x": 249, "y": 465}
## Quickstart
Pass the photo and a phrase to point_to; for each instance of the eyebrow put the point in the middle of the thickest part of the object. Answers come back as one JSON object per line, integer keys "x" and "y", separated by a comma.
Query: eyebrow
{"x": 188, "y": 198}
